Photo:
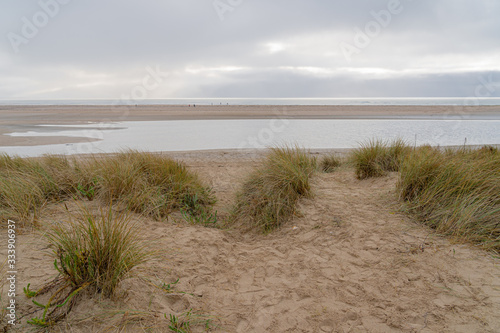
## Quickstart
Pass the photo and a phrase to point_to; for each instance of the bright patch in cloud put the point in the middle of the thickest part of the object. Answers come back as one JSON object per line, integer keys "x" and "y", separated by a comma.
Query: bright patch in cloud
{"x": 275, "y": 47}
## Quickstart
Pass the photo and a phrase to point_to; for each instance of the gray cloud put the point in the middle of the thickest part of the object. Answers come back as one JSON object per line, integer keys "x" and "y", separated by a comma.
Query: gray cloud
{"x": 97, "y": 49}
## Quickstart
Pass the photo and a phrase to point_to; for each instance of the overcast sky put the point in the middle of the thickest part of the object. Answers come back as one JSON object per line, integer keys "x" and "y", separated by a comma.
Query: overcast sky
{"x": 78, "y": 49}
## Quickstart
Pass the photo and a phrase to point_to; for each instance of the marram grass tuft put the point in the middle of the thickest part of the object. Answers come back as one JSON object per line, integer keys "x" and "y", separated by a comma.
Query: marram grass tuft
{"x": 376, "y": 157}
{"x": 457, "y": 192}
{"x": 270, "y": 193}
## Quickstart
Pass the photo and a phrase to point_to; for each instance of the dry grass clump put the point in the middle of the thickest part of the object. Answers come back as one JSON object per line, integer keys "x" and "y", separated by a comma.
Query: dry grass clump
{"x": 144, "y": 182}
{"x": 148, "y": 183}
{"x": 5, "y": 314}
{"x": 329, "y": 163}
{"x": 98, "y": 251}
{"x": 26, "y": 185}
{"x": 375, "y": 157}
{"x": 91, "y": 252}
{"x": 456, "y": 192}
{"x": 269, "y": 195}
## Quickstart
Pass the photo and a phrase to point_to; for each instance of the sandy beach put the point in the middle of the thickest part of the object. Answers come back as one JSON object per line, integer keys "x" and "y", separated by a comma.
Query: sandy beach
{"x": 23, "y": 118}
{"x": 250, "y": 166}
{"x": 349, "y": 261}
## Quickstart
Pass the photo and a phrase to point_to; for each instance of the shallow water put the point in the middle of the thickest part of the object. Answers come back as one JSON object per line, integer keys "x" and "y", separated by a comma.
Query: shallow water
{"x": 180, "y": 135}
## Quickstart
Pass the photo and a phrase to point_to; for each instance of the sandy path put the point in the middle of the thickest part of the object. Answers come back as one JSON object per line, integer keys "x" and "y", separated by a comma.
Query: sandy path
{"x": 353, "y": 264}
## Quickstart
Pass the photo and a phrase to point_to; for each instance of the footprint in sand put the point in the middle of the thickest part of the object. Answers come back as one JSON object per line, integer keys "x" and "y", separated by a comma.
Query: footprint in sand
{"x": 242, "y": 326}
{"x": 178, "y": 303}
{"x": 260, "y": 275}
{"x": 246, "y": 281}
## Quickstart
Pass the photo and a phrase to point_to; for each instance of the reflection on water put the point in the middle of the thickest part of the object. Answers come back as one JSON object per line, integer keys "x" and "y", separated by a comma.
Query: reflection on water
{"x": 182, "y": 135}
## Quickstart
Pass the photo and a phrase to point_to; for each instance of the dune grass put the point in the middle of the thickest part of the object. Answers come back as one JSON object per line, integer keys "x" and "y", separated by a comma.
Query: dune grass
{"x": 269, "y": 195}
{"x": 26, "y": 185}
{"x": 329, "y": 163}
{"x": 457, "y": 192}
{"x": 91, "y": 252}
{"x": 143, "y": 182}
{"x": 376, "y": 157}
{"x": 148, "y": 183}
{"x": 4, "y": 301}
{"x": 98, "y": 251}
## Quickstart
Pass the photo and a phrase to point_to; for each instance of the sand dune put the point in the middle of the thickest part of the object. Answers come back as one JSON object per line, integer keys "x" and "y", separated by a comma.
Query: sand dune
{"x": 350, "y": 262}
